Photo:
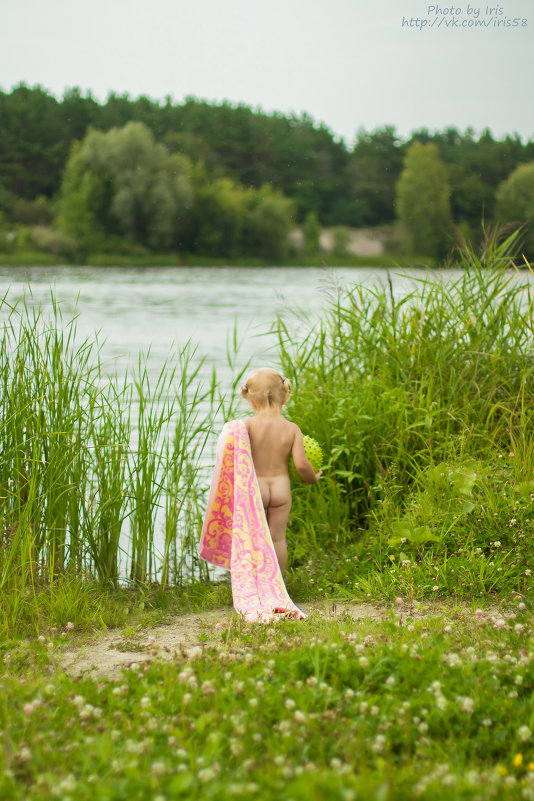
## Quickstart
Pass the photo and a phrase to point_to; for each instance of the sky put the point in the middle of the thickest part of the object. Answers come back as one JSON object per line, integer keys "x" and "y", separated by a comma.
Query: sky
{"x": 349, "y": 64}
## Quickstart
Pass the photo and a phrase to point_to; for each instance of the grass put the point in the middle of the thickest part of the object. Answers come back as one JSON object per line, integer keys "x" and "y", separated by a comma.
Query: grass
{"x": 434, "y": 708}
{"x": 22, "y": 258}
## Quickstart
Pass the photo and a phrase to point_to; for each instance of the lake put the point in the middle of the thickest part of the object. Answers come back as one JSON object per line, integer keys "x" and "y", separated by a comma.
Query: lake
{"x": 137, "y": 308}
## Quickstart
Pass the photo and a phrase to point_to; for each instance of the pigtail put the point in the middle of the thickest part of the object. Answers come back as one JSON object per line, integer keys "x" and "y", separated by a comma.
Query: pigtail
{"x": 286, "y": 383}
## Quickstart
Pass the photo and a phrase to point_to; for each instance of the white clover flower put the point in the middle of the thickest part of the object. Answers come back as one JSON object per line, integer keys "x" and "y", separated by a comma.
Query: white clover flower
{"x": 236, "y": 747}
{"x": 289, "y": 704}
{"x": 452, "y": 659}
{"x": 435, "y": 588}
{"x": 441, "y": 702}
{"x": 206, "y": 775}
{"x": 497, "y": 543}
{"x": 68, "y": 784}
{"x": 524, "y": 733}
{"x": 364, "y": 662}
{"x": 390, "y": 681}
{"x": 379, "y": 743}
{"x": 467, "y": 704}
{"x": 134, "y": 747}
{"x": 24, "y": 754}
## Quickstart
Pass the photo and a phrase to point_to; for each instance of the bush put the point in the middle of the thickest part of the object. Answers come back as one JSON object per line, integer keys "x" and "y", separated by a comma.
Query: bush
{"x": 515, "y": 203}
{"x": 393, "y": 387}
{"x": 52, "y": 241}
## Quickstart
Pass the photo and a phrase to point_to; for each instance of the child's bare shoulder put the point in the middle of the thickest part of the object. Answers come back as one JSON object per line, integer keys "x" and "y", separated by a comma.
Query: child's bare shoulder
{"x": 292, "y": 427}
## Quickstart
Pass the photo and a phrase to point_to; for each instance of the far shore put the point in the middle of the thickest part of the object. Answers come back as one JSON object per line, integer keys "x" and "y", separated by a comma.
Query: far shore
{"x": 40, "y": 259}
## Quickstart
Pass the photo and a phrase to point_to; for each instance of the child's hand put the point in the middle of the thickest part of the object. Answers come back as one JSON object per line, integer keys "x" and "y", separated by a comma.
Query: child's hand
{"x": 318, "y": 476}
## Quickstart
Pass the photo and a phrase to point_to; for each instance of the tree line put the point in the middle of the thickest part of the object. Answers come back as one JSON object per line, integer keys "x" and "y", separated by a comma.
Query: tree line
{"x": 224, "y": 164}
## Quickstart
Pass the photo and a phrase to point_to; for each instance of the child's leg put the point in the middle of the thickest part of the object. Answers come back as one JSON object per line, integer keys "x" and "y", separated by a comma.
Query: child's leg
{"x": 277, "y": 517}
{"x": 276, "y": 497}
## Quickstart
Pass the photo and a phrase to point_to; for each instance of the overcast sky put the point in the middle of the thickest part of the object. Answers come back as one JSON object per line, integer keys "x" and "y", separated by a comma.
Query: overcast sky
{"x": 347, "y": 63}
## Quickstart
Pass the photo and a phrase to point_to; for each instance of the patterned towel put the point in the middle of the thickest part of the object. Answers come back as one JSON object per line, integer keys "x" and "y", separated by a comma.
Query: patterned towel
{"x": 235, "y": 534}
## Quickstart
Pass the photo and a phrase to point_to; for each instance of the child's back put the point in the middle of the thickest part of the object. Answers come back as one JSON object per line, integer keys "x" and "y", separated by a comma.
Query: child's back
{"x": 271, "y": 440}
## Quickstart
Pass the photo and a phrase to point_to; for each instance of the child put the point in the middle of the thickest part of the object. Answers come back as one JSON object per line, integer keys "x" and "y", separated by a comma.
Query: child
{"x": 272, "y": 440}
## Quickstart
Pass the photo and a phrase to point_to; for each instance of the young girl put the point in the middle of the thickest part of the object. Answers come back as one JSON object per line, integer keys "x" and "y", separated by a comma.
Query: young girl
{"x": 272, "y": 440}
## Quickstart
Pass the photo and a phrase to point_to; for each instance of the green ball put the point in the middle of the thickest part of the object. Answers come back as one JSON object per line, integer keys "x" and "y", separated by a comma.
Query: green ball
{"x": 313, "y": 451}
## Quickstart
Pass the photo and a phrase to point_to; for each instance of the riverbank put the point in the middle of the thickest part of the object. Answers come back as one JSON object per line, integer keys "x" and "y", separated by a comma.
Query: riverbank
{"x": 37, "y": 259}
{"x": 364, "y": 247}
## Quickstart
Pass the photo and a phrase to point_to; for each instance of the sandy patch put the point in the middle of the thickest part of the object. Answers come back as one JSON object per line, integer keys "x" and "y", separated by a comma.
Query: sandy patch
{"x": 107, "y": 654}
{"x": 360, "y": 241}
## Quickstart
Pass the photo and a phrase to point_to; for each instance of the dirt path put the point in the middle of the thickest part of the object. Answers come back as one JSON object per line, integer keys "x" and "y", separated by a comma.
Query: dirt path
{"x": 106, "y": 655}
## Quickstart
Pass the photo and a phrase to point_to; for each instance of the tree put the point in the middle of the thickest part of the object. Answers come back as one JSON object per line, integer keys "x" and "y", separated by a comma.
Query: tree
{"x": 267, "y": 224}
{"x": 123, "y": 184}
{"x": 220, "y": 213}
{"x": 311, "y": 231}
{"x": 515, "y": 202}
{"x": 373, "y": 170}
{"x": 423, "y": 201}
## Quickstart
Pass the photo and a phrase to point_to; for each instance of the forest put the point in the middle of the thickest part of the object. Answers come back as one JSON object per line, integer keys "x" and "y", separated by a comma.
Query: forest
{"x": 140, "y": 176}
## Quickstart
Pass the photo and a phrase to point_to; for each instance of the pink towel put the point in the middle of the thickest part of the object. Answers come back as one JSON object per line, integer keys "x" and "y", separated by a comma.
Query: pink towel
{"x": 235, "y": 534}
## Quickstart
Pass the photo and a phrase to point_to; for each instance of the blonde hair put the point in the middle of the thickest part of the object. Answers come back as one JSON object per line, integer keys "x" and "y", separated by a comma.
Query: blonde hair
{"x": 266, "y": 387}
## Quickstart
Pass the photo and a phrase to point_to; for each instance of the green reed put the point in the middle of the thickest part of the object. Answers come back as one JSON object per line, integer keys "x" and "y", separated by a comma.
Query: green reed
{"x": 90, "y": 467}
{"x": 392, "y": 386}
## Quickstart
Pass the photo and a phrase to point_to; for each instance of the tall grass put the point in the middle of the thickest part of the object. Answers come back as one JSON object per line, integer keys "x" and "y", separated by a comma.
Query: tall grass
{"x": 392, "y": 387}
{"x": 98, "y": 478}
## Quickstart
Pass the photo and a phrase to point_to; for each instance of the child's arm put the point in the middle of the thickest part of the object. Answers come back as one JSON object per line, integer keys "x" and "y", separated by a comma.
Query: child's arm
{"x": 302, "y": 463}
